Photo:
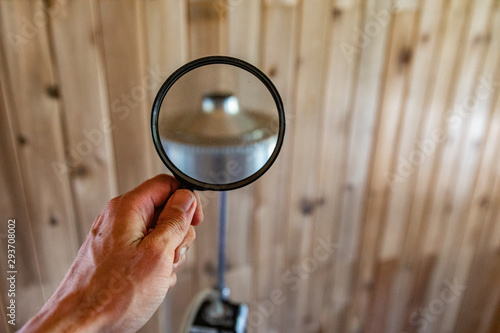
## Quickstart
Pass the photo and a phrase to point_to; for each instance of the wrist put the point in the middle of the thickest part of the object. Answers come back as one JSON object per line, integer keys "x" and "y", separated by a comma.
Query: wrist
{"x": 69, "y": 313}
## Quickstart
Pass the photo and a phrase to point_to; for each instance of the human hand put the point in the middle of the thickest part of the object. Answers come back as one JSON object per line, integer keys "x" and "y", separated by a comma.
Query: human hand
{"x": 127, "y": 263}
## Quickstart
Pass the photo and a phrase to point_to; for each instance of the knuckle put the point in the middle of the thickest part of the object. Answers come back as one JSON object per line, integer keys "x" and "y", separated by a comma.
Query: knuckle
{"x": 96, "y": 226}
{"x": 127, "y": 197}
{"x": 112, "y": 204}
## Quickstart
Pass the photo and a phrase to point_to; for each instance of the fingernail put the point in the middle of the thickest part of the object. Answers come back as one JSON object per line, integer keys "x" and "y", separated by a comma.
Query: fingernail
{"x": 182, "y": 199}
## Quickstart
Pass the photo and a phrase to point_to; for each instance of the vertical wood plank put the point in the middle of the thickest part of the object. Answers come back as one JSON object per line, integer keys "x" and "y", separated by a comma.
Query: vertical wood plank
{"x": 489, "y": 298}
{"x": 458, "y": 15}
{"x": 476, "y": 250}
{"x": 90, "y": 164}
{"x": 430, "y": 129}
{"x": 5, "y": 325}
{"x": 244, "y": 18}
{"x": 13, "y": 206}
{"x": 451, "y": 196}
{"x": 483, "y": 290}
{"x": 490, "y": 320}
{"x": 375, "y": 230}
{"x": 129, "y": 83}
{"x": 477, "y": 122}
{"x": 36, "y": 123}
{"x": 167, "y": 36}
{"x": 343, "y": 62}
{"x": 279, "y": 26}
{"x": 425, "y": 50}
{"x": 361, "y": 129}
{"x": 167, "y": 44}
{"x": 207, "y": 28}
{"x": 398, "y": 67}
{"x": 309, "y": 85}
{"x": 465, "y": 77}
{"x": 473, "y": 305}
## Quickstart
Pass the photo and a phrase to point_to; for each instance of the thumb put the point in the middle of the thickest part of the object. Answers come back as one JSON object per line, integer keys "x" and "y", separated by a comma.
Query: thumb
{"x": 175, "y": 219}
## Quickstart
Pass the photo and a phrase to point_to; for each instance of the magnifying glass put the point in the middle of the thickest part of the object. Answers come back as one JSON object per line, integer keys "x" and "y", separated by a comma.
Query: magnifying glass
{"x": 218, "y": 123}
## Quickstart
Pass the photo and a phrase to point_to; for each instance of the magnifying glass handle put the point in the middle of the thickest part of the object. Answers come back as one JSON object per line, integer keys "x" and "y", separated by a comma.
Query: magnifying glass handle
{"x": 184, "y": 185}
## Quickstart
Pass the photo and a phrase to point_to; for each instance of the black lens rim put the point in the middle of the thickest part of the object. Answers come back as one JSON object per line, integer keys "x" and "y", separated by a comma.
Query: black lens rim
{"x": 195, "y": 184}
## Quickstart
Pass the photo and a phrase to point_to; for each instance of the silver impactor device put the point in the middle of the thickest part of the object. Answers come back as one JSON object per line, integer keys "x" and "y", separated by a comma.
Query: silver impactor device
{"x": 219, "y": 142}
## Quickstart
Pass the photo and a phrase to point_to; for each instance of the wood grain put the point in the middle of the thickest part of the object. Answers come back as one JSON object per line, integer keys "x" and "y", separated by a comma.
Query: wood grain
{"x": 36, "y": 123}
{"x": 88, "y": 128}
{"x": 128, "y": 90}
{"x": 278, "y": 54}
{"x": 383, "y": 159}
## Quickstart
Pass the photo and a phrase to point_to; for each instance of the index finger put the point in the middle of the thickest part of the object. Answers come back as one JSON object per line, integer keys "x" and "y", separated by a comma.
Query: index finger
{"x": 198, "y": 214}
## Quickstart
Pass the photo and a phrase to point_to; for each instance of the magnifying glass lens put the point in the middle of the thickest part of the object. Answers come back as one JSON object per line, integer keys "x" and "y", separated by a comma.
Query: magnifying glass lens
{"x": 218, "y": 124}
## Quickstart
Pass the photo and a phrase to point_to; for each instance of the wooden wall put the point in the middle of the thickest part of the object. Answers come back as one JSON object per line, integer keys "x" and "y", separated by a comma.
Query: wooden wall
{"x": 382, "y": 212}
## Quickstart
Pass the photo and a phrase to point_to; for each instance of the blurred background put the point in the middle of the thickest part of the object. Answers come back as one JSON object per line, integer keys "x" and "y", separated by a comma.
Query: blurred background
{"x": 382, "y": 211}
